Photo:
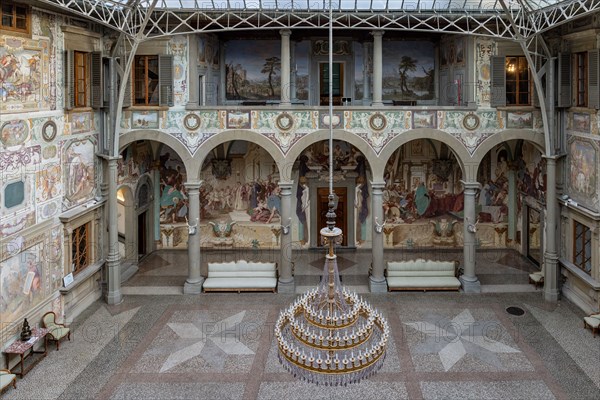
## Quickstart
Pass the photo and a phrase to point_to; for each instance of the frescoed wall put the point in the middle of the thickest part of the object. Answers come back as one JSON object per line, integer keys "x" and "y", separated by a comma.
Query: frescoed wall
{"x": 80, "y": 171}
{"x": 582, "y": 176}
{"x": 253, "y": 70}
{"x": 408, "y": 70}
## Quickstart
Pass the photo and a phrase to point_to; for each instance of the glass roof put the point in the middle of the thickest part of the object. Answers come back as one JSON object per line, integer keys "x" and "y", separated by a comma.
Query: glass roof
{"x": 344, "y": 5}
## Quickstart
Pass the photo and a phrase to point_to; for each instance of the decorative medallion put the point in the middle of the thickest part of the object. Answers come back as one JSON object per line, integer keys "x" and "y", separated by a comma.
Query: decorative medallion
{"x": 471, "y": 121}
{"x": 284, "y": 121}
{"x": 14, "y": 133}
{"x": 191, "y": 122}
{"x": 49, "y": 131}
{"x": 377, "y": 122}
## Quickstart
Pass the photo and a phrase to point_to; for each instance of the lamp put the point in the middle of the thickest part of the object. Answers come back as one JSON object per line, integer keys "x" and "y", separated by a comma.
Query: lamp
{"x": 472, "y": 228}
{"x": 192, "y": 229}
{"x": 330, "y": 336}
{"x": 286, "y": 228}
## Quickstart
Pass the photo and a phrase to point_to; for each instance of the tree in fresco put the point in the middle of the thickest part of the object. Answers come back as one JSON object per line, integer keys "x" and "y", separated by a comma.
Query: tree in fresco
{"x": 407, "y": 64}
{"x": 271, "y": 66}
{"x": 234, "y": 80}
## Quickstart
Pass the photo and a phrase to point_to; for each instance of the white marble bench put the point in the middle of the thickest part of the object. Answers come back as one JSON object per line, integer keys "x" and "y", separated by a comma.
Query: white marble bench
{"x": 422, "y": 274}
{"x": 241, "y": 276}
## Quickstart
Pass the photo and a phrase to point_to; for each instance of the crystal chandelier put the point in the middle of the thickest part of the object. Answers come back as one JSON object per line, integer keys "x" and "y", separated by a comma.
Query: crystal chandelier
{"x": 330, "y": 336}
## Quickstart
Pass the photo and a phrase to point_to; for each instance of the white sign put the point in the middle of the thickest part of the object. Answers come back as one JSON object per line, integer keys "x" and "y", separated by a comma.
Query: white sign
{"x": 68, "y": 279}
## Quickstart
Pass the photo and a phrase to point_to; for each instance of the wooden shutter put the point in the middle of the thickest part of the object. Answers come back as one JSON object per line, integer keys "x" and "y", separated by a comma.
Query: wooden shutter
{"x": 96, "y": 79}
{"x": 498, "y": 81}
{"x": 165, "y": 80}
{"x": 593, "y": 79}
{"x": 565, "y": 90}
{"x": 69, "y": 75}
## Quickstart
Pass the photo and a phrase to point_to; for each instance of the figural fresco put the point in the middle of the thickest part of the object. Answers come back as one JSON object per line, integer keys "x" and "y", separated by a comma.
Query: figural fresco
{"x": 79, "y": 162}
{"x": 409, "y": 70}
{"x": 583, "y": 170}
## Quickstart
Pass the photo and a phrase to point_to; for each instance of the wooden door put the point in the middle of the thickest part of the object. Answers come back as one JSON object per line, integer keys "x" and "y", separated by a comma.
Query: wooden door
{"x": 337, "y": 83}
{"x": 340, "y": 213}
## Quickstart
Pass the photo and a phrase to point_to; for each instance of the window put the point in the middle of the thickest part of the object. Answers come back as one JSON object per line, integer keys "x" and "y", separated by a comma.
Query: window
{"x": 582, "y": 247}
{"x": 80, "y": 247}
{"x": 581, "y": 79}
{"x": 517, "y": 81}
{"x": 81, "y": 78}
{"x": 146, "y": 80}
{"x": 15, "y": 17}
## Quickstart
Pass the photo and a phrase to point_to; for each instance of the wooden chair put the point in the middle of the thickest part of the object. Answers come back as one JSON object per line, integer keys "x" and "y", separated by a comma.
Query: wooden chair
{"x": 56, "y": 331}
{"x": 6, "y": 379}
{"x": 593, "y": 322}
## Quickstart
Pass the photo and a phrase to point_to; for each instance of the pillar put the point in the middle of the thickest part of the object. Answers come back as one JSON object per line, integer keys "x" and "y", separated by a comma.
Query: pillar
{"x": 156, "y": 205}
{"x": 286, "y": 280}
{"x": 366, "y": 74}
{"x": 113, "y": 261}
{"x": 193, "y": 284}
{"x": 193, "y": 91}
{"x": 223, "y": 73}
{"x": 294, "y": 73}
{"x": 512, "y": 203}
{"x": 377, "y": 68}
{"x": 377, "y": 281}
{"x": 285, "y": 67}
{"x": 551, "y": 268}
{"x": 468, "y": 279}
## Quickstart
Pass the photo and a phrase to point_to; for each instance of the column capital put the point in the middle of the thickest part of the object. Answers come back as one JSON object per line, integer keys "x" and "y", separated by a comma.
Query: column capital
{"x": 108, "y": 157}
{"x": 193, "y": 185}
{"x": 377, "y": 185}
{"x": 285, "y": 32}
{"x": 377, "y": 33}
{"x": 471, "y": 185}
{"x": 551, "y": 159}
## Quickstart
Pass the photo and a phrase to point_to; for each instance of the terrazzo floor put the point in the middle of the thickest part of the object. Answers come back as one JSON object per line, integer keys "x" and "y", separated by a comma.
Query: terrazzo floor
{"x": 160, "y": 344}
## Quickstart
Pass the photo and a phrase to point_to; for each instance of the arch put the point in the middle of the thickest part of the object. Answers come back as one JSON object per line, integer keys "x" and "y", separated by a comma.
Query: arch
{"x": 460, "y": 152}
{"x": 321, "y": 135}
{"x": 144, "y": 180}
{"x": 228, "y": 136}
{"x": 536, "y": 138}
{"x": 157, "y": 136}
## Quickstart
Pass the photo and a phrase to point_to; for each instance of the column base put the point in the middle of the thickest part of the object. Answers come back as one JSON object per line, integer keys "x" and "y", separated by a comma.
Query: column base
{"x": 377, "y": 104}
{"x": 377, "y": 286}
{"x": 470, "y": 286}
{"x": 286, "y": 287}
{"x": 193, "y": 287}
{"x": 551, "y": 295}
{"x": 114, "y": 297}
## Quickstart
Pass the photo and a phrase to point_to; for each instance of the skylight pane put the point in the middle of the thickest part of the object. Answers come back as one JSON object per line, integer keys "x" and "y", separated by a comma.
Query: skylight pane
{"x": 346, "y": 4}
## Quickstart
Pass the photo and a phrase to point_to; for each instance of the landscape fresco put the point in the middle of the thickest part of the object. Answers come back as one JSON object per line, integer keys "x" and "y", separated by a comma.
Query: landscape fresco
{"x": 409, "y": 70}
{"x": 253, "y": 70}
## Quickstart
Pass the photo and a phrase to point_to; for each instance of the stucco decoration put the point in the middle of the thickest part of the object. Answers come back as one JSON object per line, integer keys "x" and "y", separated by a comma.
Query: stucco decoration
{"x": 209, "y": 125}
{"x": 23, "y": 62}
{"x": 79, "y": 169}
{"x": 582, "y": 175}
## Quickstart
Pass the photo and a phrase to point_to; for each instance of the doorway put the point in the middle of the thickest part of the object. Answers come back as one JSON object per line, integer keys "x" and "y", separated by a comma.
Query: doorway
{"x": 142, "y": 234}
{"x": 337, "y": 83}
{"x": 341, "y": 220}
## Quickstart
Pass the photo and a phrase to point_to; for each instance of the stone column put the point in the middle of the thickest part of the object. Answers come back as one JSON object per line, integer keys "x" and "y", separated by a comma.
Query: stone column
{"x": 285, "y": 67}
{"x": 469, "y": 280}
{"x": 366, "y": 74}
{"x": 377, "y": 281}
{"x": 193, "y": 91}
{"x": 193, "y": 284}
{"x": 286, "y": 279}
{"x": 156, "y": 205}
{"x": 293, "y": 77}
{"x": 377, "y": 68}
{"x": 551, "y": 268}
{"x": 113, "y": 261}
